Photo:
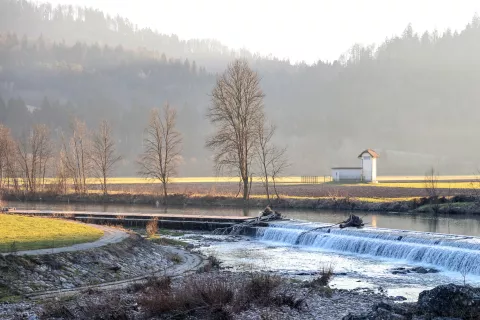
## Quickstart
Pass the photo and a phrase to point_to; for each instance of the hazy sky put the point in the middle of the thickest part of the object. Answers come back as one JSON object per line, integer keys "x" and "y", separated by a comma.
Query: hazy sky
{"x": 299, "y": 30}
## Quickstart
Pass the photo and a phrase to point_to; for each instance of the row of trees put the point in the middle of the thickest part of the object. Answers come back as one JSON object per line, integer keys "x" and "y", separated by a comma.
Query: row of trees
{"x": 25, "y": 162}
{"x": 242, "y": 144}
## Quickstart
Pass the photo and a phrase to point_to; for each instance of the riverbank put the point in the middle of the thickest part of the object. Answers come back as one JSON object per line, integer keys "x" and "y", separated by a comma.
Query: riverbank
{"x": 247, "y": 296}
{"x": 459, "y": 204}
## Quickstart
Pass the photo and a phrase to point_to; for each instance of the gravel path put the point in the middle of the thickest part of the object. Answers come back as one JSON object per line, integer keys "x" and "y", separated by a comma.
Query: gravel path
{"x": 110, "y": 235}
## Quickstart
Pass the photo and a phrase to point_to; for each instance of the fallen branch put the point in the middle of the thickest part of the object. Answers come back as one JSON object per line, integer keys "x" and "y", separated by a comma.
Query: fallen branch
{"x": 267, "y": 215}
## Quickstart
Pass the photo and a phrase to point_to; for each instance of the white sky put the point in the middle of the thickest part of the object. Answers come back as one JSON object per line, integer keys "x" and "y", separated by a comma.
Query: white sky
{"x": 305, "y": 30}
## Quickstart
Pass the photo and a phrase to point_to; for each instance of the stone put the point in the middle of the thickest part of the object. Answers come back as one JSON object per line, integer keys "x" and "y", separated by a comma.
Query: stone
{"x": 421, "y": 270}
{"x": 451, "y": 300}
{"x": 400, "y": 298}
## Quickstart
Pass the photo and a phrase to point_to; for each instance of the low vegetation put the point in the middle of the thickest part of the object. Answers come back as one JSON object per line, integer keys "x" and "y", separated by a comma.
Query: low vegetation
{"x": 28, "y": 233}
{"x": 216, "y": 297}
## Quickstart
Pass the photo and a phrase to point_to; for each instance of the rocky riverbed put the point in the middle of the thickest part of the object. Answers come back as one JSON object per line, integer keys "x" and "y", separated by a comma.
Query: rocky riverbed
{"x": 248, "y": 296}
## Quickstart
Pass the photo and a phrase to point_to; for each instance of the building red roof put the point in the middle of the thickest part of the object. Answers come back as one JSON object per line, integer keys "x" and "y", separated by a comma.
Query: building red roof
{"x": 372, "y": 153}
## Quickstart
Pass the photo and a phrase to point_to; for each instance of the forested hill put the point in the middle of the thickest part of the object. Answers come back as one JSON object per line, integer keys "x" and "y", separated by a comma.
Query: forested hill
{"x": 414, "y": 98}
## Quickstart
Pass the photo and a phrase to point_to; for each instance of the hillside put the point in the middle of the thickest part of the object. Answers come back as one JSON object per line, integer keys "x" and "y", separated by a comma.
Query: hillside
{"x": 413, "y": 98}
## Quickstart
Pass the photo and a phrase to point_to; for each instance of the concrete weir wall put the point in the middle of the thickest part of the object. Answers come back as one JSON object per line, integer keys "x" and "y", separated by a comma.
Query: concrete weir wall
{"x": 165, "y": 221}
{"x": 163, "y": 224}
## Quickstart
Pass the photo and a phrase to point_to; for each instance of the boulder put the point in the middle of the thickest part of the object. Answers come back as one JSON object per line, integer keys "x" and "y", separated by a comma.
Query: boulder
{"x": 452, "y": 301}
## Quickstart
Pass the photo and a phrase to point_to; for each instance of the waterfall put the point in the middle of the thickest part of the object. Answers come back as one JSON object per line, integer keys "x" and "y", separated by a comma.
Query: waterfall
{"x": 448, "y": 252}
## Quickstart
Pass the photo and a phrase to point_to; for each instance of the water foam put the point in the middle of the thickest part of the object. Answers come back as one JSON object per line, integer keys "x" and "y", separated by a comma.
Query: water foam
{"x": 449, "y": 252}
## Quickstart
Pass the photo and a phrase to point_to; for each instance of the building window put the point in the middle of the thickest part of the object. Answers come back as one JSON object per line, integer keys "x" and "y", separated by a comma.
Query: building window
{"x": 366, "y": 158}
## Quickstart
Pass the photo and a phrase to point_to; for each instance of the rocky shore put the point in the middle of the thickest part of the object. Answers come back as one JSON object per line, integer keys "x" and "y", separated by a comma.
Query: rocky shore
{"x": 247, "y": 296}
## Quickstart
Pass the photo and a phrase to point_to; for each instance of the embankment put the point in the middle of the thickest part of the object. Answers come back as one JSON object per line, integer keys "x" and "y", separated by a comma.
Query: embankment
{"x": 457, "y": 204}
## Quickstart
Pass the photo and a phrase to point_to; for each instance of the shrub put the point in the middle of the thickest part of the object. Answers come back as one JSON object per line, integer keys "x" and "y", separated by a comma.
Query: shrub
{"x": 152, "y": 227}
{"x": 324, "y": 277}
{"x": 214, "y": 261}
{"x": 261, "y": 285}
{"x": 175, "y": 258}
{"x": 200, "y": 295}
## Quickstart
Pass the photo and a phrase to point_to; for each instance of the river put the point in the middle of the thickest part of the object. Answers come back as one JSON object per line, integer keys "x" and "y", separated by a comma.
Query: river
{"x": 365, "y": 258}
{"x": 449, "y": 224}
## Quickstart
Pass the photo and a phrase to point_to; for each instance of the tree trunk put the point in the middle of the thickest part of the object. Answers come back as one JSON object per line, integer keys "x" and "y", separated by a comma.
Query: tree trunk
{"x": 104, "y": 184}
{"x": 164, "y": 193}
{"x": 245, "y": 190}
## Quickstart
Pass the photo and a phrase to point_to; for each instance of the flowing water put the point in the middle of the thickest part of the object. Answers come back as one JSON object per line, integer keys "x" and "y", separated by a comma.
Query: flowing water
{"x": 451, "y": 224}
{"x": 361, "y": 258}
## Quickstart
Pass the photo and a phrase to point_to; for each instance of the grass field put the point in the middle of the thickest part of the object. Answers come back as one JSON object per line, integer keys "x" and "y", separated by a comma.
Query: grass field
{"x": 30, "y": 233}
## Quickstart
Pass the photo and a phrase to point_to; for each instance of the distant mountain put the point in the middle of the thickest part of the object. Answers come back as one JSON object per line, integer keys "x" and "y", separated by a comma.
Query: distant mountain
{"x": 415, "y": 94}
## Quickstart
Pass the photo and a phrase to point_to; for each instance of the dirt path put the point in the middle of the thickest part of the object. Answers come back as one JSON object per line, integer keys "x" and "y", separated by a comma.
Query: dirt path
{"x": 111, "y": 235}
{"x": 191, "y": 262}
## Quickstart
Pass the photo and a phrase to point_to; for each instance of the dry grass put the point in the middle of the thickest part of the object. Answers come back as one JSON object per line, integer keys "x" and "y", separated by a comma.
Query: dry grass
{"x": 218, "y": 297}
{"x": 29, "y": 233}
{"x": 152, "y": 227}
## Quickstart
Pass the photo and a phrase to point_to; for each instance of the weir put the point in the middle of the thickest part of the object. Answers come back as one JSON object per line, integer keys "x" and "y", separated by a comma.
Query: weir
{"x": 448, "y": 252}
{"x": 165, "y": 220}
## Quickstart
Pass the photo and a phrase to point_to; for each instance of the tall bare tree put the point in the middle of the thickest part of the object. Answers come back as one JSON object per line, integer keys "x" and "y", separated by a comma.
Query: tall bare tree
{"x": 236, "y": 110}
{"x": 264, "y": 154}
{"x": 32, "y": 151}
{"x": 7, "y": 155}
{"x": 77, "y": 155}
{"x": 272, "y": 160}
{"x": 104, "y": 154}
{"x": 279, "y": 162}
{"x": 161, "y": 147}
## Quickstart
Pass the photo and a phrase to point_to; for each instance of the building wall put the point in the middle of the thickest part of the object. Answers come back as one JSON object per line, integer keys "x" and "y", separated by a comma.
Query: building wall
{"x": 369, "y": 166}
{"x": 346, "y": 174}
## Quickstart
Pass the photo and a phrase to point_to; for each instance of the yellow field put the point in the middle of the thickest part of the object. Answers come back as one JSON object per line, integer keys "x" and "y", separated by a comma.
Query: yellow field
{"x": 135, "y": 180}
{"x": 384, "y": 181}
{"x": 29, "y": 233}
{"x": 421, "y": 185}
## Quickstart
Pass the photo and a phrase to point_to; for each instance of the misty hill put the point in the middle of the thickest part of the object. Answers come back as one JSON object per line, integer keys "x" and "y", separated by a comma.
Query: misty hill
{"x": 413, "y": 98}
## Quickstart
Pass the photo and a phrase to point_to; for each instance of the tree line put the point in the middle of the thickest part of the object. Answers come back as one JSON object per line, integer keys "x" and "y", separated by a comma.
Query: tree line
{"x": 242, "y": 145}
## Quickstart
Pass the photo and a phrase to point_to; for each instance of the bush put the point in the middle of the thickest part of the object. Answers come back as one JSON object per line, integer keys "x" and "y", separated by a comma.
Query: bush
{"x": 152, "y": 227}
{"x": 324, "y": 276}
{"x": 111, "y": 306}
{"x": 214, "y": 261}
{"x": 197, "y": 295}
{"x": 261, "y": 285}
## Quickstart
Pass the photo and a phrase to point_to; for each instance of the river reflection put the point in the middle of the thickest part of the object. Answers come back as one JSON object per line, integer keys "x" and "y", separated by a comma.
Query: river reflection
{"x": 452, "y": 224}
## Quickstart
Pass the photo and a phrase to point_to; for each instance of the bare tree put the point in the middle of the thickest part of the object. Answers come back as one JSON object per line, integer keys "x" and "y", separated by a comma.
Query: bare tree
{"x": 431, "y": 183}
{"x": 279, "y": 163}
{"x": 7, "y": 155}
{"x": 32, "y": 150}
{"x": 161, "y": 148}
{"x": 77, "y": 155}
{"x": 104, "y": 154}
{"x": 264, "y": 152}
{"x": 236, "y": 110}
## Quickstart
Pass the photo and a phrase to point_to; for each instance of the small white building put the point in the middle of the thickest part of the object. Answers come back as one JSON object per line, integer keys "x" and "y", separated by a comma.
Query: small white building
{"x": 367, "y": 172}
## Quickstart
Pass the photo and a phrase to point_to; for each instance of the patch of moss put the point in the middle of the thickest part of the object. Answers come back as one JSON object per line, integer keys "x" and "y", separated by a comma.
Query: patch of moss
{"x": 168, "y": 242}
{"x": 10, "y": 299}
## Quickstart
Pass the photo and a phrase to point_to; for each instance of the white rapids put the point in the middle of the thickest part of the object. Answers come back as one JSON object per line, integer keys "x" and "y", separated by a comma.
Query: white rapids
{"x": 444, "y": 251}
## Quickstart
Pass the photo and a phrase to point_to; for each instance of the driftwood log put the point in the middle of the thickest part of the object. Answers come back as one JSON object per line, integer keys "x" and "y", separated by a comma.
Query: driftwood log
{"x": 266, "y": 215}
{"x": 352, "y": 221}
